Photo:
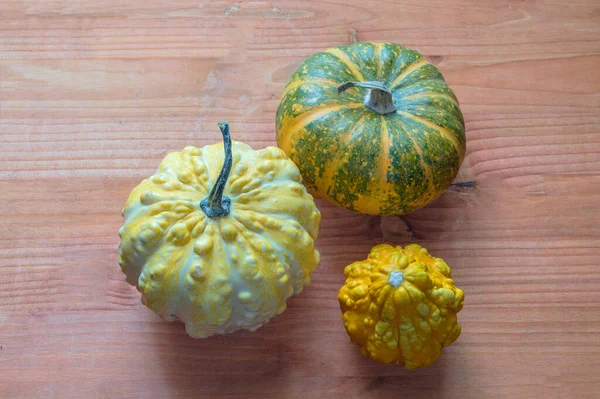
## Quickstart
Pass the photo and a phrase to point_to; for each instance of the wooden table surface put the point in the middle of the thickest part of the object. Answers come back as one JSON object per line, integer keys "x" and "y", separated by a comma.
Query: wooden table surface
{"x": 94, "y": 94}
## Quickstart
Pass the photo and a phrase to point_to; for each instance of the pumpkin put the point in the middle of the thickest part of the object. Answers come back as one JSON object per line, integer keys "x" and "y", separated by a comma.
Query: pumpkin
{"x": 220, "y": 236}
{"x": 373, "y": 128}
{"x": 400, "y": 305}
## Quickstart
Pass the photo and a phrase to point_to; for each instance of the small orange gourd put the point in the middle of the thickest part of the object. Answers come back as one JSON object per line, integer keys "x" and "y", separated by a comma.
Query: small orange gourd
{"x": 400, "y": 305}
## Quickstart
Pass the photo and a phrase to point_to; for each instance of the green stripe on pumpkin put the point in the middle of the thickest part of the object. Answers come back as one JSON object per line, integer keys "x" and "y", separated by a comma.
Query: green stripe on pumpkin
{"x": 362, "y": 160}
{"x": 388, "y": 54}
{"x": 322, "y": 65}
{"x": 438, "y": 153}
{"x": 437, "y": 130}
{"x": 439, "y": 111}
{"x": 406, "y": 60}
{"x": 357, "y": 73}
{"x": 427, "y": 86}
{"x": 424, "y": 72}
{"x": 318, "y": 140}
{"x": 309, "y": 96}
{"x": 363, "y": 54}
{"x": 406, "y": 172}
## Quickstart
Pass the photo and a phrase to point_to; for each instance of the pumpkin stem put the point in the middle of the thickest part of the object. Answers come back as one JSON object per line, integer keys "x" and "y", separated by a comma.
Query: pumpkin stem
{"x": 378, "y": 98}
{"x": 216, "y": 204}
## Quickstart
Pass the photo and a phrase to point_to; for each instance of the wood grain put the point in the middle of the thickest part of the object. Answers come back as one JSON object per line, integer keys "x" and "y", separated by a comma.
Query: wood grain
{"x": 94, "y": 94}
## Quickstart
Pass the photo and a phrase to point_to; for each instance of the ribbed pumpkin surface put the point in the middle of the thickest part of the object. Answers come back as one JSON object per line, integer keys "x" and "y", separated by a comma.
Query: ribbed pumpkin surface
{"x": 400, "y": 305}
{"x": 358, "y": 158}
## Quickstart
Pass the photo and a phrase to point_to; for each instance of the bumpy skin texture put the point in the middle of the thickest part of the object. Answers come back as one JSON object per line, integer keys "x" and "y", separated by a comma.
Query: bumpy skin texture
{"x": 400, "y": 305}
{"x": 357, "y": 158}
{"x": 220, "y": 274}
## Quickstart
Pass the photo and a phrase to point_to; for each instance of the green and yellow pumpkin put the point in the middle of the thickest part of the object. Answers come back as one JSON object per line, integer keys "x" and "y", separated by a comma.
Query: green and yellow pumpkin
{"x": 373, "y": 127}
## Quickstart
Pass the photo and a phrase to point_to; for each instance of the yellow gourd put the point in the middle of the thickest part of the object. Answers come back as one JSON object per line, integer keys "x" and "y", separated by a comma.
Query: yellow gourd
{"x": 220, "y": 236}
{"x": 400, "y": 305}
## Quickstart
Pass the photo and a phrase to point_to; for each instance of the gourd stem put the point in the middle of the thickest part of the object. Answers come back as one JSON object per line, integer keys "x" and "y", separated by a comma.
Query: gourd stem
{"x": 378, "y": 98}
{"x": 216, "y": 204}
